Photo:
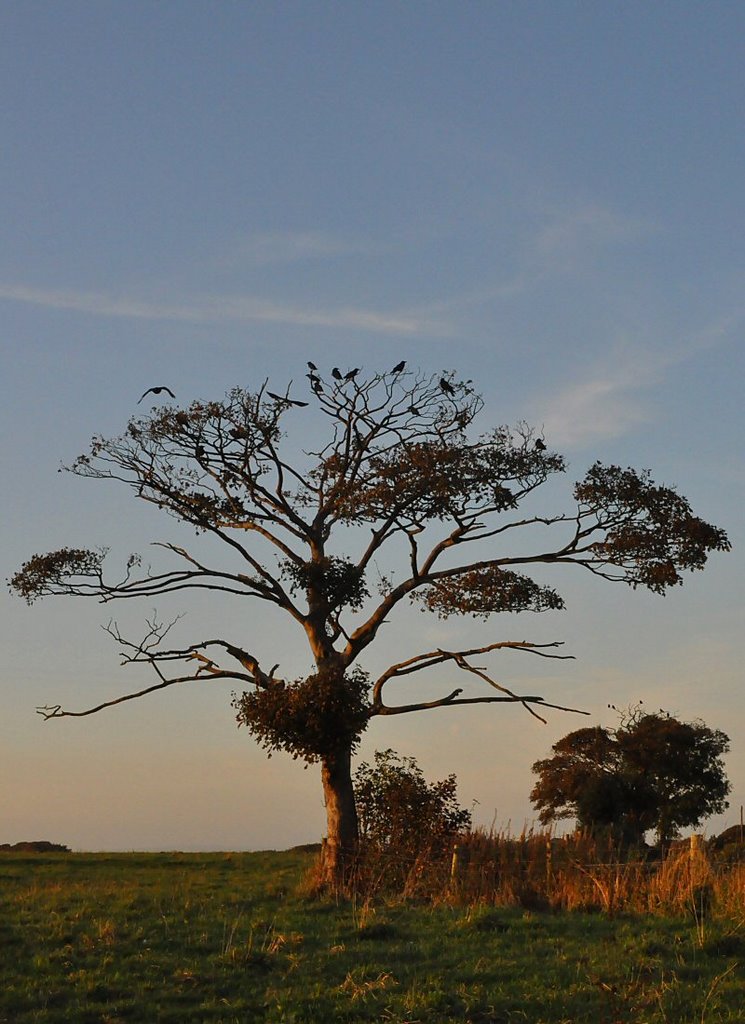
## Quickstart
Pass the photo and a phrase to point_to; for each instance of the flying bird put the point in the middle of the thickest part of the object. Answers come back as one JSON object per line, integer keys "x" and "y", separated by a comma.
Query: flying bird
{"x": 540, "y": 445}
{"x": 156, "y": 391}
{"x": 446, "y": 387}
{"x": 399, "y": 366}
{"x": 352, "y": 373}
{"x": 286, "y": 401}
{"x": 336, "y": 373}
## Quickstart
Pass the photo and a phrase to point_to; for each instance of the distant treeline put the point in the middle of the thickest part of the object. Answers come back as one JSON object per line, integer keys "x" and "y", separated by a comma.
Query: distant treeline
{"x": 38, "y": 846}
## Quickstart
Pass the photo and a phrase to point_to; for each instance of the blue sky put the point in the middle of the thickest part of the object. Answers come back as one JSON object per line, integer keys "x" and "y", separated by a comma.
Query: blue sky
{"x": 546, "y": 197}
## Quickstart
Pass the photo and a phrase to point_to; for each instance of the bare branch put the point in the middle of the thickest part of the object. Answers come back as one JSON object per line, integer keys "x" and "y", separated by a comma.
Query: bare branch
{"x": 463, "y": 664}
{"x": 267, "y": 587}
{"x": 439, "y": 656}
{"x": 452, "y": 700}
{"x": 148, "y": 651}
{"x": 56, "y": 711}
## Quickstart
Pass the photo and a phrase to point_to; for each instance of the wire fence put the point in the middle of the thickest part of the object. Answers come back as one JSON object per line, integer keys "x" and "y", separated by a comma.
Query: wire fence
{"x": 540, "y": 872}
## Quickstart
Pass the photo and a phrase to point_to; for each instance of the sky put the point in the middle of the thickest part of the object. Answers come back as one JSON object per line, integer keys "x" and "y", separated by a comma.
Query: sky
{"x": 546, "y": 198}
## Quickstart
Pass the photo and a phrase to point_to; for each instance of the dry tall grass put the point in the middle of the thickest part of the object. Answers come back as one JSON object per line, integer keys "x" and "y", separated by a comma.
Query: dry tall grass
{"x": 537, "y": 871}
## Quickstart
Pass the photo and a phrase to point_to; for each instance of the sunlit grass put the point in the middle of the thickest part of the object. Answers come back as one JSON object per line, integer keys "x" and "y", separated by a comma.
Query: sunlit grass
{"x": 102, "y": 939}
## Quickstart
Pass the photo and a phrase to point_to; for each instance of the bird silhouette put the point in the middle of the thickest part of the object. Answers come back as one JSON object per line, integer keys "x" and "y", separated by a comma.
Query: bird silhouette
{"x": 316, "y": 385}
{"x": 336, "y": 373}
{"x": 156, "y": 391}
{"x": 540, "y": 445}
{"x": 413, "y": 409}
{"x": 399, "y": 366}
{"x": 286, "y": 401}
{"x": 446, "y": 387}
{"x": 312, "y": 366}
{"x": 352, "y": 373}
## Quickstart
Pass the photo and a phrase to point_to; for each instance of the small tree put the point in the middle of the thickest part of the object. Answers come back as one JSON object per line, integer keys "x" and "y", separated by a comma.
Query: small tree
{"x": 652, "y": 772}
{"x": 399, "y": 810}
{"x": 397, "y": 469}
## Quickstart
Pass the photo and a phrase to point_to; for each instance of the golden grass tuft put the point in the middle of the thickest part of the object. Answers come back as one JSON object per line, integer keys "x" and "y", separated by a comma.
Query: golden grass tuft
{"x": 540, "y": 872}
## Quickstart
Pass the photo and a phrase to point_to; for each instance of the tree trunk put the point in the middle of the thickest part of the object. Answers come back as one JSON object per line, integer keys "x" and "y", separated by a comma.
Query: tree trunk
{"x": 341, "y": 816}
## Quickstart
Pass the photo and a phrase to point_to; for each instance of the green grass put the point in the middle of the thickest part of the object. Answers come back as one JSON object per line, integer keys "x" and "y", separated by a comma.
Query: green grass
{"x": 225, "y": 938}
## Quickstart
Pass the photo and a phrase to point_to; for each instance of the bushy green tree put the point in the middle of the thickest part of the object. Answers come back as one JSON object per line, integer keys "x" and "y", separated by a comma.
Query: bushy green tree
{"x": 652, "y": 772}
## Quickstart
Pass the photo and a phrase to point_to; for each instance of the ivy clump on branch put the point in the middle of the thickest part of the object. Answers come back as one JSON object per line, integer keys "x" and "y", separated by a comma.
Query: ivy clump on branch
{"x": 337, "y": 580}
{"x": 310, "y": 718}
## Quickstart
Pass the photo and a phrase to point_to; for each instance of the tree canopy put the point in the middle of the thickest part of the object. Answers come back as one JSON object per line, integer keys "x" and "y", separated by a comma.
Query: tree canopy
{"x": 399, "y": 464}
{"x": 652, "y": 772}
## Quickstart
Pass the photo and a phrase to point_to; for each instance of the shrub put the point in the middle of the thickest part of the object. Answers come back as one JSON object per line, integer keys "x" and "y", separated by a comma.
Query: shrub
{"x": 399, "y": 810}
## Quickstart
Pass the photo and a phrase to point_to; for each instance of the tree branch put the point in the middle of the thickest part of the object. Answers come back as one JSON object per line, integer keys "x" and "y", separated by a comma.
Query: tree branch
{"x": 437, "y": 657}
{"x": 452, "y": 700}
{"x": 147, "y": 651}
{"x": 55, "y": 711}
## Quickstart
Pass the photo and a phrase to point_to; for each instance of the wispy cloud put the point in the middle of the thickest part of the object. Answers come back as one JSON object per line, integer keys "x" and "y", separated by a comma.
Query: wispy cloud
{"x": 266, "y": 248}
{"x": 564, "y": 241}
{"x": 570, "y": 235}
{"x": 215, "y": 309}
{"x": 612, "y": 398}
{"x": 602, "y": 406}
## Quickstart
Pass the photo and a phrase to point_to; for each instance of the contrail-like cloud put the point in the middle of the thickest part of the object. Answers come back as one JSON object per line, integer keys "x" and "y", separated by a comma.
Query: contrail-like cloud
{"x": 211, "y": 309}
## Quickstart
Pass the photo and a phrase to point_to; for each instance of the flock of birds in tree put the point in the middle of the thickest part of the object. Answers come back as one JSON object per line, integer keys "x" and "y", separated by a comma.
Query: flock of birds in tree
{"x": 445, "y": 386}
{"x": 315, "y": 382}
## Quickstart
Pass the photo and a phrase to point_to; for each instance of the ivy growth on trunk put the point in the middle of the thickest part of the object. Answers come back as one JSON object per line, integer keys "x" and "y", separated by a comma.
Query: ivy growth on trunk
{"x": 400, "y": 463}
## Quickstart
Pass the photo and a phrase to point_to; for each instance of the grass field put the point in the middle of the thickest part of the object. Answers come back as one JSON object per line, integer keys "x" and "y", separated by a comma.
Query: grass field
{"x": 228, "y": 938}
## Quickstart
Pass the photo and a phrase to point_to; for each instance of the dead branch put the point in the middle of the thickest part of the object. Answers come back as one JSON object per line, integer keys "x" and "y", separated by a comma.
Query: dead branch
{"x": 147, "y": 651}
{"x": 56, "y": 711}
{"x": 419, "y": 662}
{"x": 452, "y": 699}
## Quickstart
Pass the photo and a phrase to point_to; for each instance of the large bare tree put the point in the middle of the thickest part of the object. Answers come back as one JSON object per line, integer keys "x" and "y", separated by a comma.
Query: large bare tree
{"x": 398, "y": 464}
